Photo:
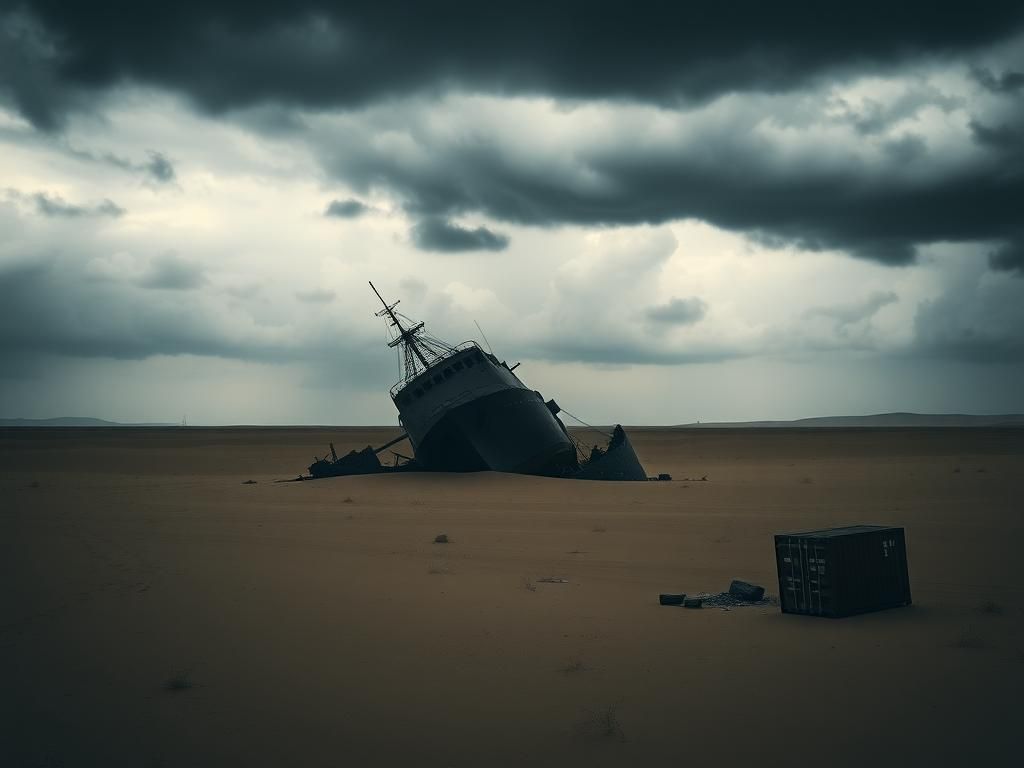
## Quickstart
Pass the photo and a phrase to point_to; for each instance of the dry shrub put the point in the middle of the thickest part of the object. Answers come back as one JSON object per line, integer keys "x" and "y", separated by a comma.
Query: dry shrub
{"x": 179, "y": 681}
{"x": 990, "y": 608}
{"x": 574, "y": 666}
{"x": 968, "y": 641}
{"x": 602, "y": 723}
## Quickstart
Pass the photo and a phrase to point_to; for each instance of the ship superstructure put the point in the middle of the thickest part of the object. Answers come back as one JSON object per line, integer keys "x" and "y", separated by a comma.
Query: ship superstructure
{"x": 464, "y": 410}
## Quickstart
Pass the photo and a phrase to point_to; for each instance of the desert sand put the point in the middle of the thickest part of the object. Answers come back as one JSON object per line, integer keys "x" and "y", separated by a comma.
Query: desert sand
{"x": 157, "y": 611}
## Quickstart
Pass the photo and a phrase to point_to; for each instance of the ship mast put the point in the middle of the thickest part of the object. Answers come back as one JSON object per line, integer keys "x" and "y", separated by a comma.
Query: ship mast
{"x": 406, "y": 336}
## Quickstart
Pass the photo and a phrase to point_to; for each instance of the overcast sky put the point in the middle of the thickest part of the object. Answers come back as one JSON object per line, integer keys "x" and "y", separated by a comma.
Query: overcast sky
{"x": 667, "y": 213}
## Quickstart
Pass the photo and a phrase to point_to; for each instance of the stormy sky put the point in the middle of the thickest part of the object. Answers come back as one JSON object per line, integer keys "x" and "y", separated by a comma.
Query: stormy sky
{"x": 666, "y": 212}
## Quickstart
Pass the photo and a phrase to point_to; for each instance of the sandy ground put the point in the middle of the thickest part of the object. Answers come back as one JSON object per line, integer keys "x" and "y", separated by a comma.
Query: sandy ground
{"x": 317, "y": 624}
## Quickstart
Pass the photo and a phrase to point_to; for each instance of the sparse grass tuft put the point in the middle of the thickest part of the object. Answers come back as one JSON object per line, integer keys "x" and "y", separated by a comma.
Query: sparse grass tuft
{"x": 602, "y": 723}
{"x": 574, "y": 666}
{"x": 990, "y": 608}
{"x": 438, "y": 570}
{"x": 968, "y": 641}
{"x": 956, "y": 470}
{"x": 529, "y": 586}
{"x": 347, "y": 500}
{"x": 179, "y": 681}
{"x": 806, "y": 480}
{"x": 441, "y": 538}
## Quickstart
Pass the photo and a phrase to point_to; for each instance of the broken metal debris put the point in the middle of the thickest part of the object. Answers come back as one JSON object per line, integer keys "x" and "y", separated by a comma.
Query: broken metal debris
{"x": 745, "y": 591}
{"x": 725, "y": 600}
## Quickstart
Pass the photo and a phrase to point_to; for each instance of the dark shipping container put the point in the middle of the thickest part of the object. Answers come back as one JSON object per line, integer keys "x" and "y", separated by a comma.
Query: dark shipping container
{"x": 842, "y": 571}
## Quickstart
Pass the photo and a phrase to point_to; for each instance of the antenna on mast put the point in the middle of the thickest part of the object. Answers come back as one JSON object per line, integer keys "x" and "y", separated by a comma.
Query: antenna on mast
{"x": 484, "y": 336}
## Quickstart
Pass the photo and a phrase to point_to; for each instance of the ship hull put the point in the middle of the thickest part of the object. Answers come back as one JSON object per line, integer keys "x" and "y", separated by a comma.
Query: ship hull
{"x": 469, "y": 412}
{"x": 507, "y": 431}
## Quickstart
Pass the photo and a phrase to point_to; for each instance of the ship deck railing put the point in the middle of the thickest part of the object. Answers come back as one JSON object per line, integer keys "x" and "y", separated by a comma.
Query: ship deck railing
{"x": 452, "y": 352}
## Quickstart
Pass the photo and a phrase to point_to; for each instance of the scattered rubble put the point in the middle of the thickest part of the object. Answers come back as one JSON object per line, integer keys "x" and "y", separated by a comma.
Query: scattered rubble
{"x": 726, "y": 601}
{"x": 740, "y": 593}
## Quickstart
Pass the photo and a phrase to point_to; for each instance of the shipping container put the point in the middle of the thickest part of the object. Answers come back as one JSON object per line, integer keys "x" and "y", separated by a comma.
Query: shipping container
{"x": 842, "y": 571}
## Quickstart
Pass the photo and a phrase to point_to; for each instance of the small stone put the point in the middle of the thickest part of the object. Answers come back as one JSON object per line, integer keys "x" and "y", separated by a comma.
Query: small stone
{"x": 692, "y": 602}
{"x": 441, "y": 538}
{"x": 664, "y": 599}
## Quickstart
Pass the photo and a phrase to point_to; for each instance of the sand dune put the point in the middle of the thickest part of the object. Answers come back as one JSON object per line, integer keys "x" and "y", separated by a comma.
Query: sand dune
{"x": 159, "y": 612}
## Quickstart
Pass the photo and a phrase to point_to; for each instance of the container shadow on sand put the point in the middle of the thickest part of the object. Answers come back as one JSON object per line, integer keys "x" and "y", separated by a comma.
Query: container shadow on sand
{"x": 990, "y": 608}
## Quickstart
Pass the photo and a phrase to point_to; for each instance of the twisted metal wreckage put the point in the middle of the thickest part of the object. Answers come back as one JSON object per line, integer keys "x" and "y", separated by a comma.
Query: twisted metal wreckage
{"x": 463, "y": 410}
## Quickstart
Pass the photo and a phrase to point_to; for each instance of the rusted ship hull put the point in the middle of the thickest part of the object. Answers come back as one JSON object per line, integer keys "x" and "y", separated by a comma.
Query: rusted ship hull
{"x": 507, "y": 431}
{"x": 469, "y": 412}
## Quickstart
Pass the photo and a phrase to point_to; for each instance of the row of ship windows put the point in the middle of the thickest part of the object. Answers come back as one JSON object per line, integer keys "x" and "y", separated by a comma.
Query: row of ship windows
{"x": 447, "y": 373}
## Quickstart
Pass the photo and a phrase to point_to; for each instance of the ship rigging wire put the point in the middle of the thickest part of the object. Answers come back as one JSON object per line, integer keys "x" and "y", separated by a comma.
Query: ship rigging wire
{"x": 589, "y": 426}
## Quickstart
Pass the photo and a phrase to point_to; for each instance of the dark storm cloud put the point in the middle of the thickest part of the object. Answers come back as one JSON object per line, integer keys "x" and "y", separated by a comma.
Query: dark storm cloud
{"x": 56, "y": 206}
{"x": 1006, "y": 82}
{"x": 345, "y": 209}
{"x": 436, "y": 234}
{"x": 723, "y": 176}
{"x": 1009, "y": 257}
{"x": 172, "y": 273}
{"x": 51, "y": 307}
{"x": 1003, "y": 136}
{"x": 975, "y": 319}
{"x": 873, "y": 117}
{"x": 160, "y": 168}
{"x": 678, "y": 311}
{"x": 47, "y": 310}
{"x": 228, "y": 53}
{"x": 598, "y": 350}
{"x": 848, "y": 314}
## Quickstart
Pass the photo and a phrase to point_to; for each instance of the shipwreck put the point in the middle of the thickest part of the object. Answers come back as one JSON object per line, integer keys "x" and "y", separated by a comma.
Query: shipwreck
{"x": 464, "y": 410}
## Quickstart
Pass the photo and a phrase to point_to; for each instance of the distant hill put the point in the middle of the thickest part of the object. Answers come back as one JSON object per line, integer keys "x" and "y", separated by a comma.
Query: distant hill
{"x": 877, "y": 420}
{"x": 71, "y": 421}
